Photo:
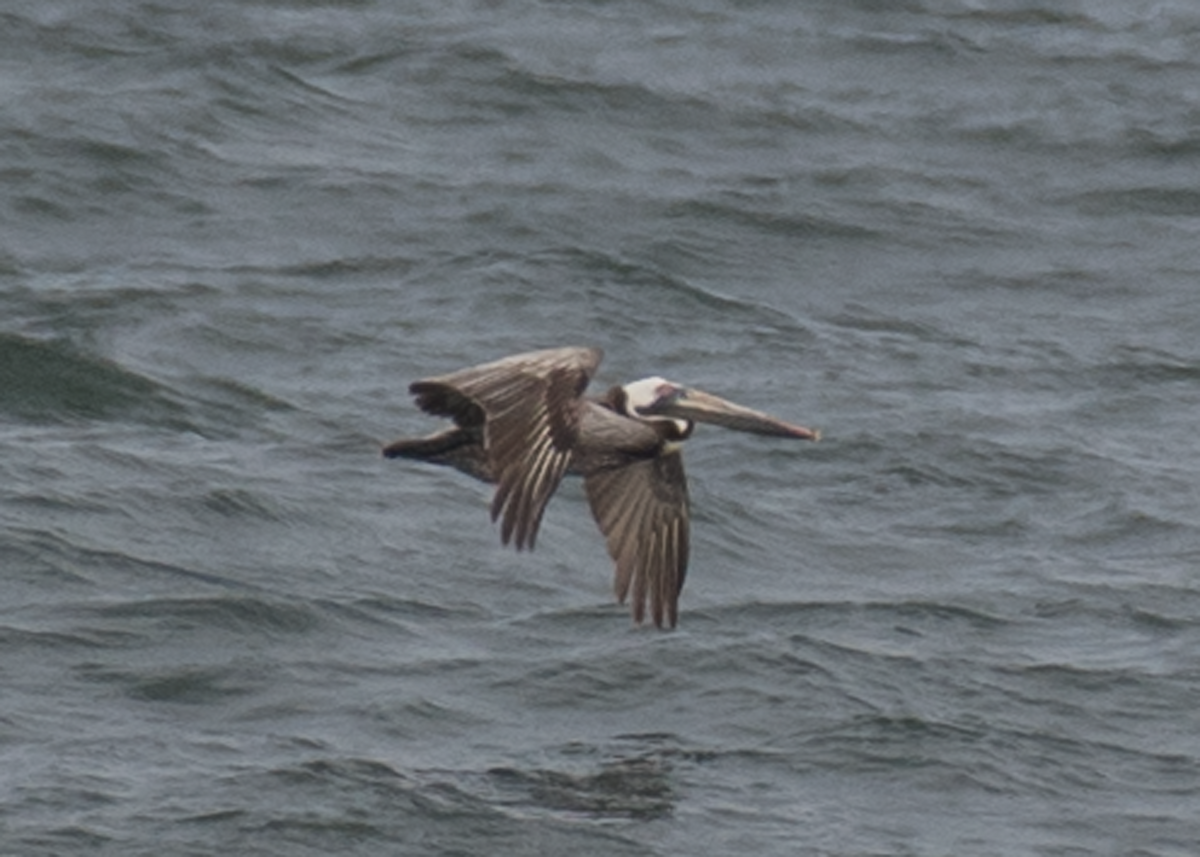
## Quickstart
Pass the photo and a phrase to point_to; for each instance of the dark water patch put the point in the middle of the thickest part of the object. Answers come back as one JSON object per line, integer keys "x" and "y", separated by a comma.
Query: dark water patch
{"x": 70, "y": 838}
{"x": 1136, "y": 367}
{"x": 636, "y": 788}
{"x": 1170, "y": 145}
{"x": 986, "y": 730}
{"x": 372, "y": 59}
{"x": 747, "y": 213}
{"x": 750, "y": 659}
{"x": 239, "y": 614}
{"x": 1118, "y": 720}
{"x": 216, "y": 816}
{"x": 1168, "y": 611}
{"x": 769, "y": 122}
{"x": 1116, "y": 524}
{"x": 252, "y": 101}
{"x": 82, "y": 179}
{"x": 1103, "y": 706}
{"x": 1154, "y": 620}
{"x": 44, "y": 560}
{"x": 573, "y": 294}
{"x": 1084, "y": 761}
{"x": 10, "y": 267}
{"x": 360, "y": 806}
{"x": 47, "y": 560}
{"x": 95, "y": 34}
{"x": 108, "y": 167}
{"x": 626, "y": 295}
{"x": 86, "y": 307}
{"x": 365, "y": 267}
{"x": 223, "y": 408}
{"x": 239, "y": 504}
{"x": 1153, "y": 201}
{"x": 887, "y": 742}
{"x": 261, "y": 338}
{"x": 374, "y": 776}
{"x": 496, "y": 84}
{"x": 412, "y": 624}
{"x": 932, "y": 44}
{"x": 807, "y": 623}
{"x": 940, "y": 480}
{"x": 307, "y": 92}
{"x": 201, "y": 686}
{"x": 39, "y": 207}
{"x": 440, "y": 664}
{"x": 407, "y": 719}
{"x": 919, "y": 756}
{"x": 602, "y": 683}
{"x": 1018, "y": 15}
{"x": 866, "y": 319}
{"x": 1005, "y": 470}
{"x": 77, "y": 639}
{"x": 390, "y": 608}
{"x": 567, "y": 624}
{"x": 52, "y": 382}
{"x": 1066, "y": 282}
{"x": 609, "y": 101}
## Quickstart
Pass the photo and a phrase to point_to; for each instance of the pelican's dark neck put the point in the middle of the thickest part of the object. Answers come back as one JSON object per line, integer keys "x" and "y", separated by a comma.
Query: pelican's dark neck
{"x": 615, "y": 400}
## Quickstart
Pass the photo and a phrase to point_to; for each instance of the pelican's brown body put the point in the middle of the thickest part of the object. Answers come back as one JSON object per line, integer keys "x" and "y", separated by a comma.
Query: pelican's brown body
{"x": 523, "y": 423}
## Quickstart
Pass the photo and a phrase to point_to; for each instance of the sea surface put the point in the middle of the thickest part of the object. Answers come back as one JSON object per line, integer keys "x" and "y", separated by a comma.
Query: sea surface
{"x": 961, "y": 237}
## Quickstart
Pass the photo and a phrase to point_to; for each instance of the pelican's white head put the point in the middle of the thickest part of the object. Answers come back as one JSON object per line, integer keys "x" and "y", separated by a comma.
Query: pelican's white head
{"x": 644, "y": 395}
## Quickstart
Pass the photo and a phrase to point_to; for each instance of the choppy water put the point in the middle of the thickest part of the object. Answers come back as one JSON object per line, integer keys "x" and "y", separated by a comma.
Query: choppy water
{"x": 959, "y": 236}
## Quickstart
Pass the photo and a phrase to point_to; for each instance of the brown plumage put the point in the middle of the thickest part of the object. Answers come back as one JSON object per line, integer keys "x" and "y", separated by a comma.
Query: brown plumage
{"x": 523, "y": 423}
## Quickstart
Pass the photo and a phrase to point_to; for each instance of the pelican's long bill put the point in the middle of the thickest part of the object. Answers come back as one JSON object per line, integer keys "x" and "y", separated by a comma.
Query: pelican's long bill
{"x": 690, "y": 404}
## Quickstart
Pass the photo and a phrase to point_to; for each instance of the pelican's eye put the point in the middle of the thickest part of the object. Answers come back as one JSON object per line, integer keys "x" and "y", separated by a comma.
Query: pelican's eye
{"x": 668, "y": 393}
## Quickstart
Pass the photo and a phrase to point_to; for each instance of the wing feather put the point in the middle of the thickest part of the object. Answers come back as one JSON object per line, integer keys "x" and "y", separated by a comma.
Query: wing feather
{"x": 529, "y": 405}
{"x": 642, "y": 510}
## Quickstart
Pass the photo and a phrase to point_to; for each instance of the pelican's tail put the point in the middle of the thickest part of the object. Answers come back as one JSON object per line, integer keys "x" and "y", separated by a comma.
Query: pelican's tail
{"x": 459, "y": 448}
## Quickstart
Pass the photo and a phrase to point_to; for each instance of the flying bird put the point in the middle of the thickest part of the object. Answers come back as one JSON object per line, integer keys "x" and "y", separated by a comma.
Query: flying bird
{"x": 523, "y": 423}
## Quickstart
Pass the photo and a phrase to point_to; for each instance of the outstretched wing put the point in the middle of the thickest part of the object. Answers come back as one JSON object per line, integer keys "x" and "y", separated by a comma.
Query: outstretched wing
{"x": 529, "y": 407}
{"x": 642, "y": 509}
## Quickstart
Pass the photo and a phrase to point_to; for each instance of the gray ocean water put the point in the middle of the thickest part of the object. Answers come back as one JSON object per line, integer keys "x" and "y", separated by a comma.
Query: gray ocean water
{"x": 959, "y": 236}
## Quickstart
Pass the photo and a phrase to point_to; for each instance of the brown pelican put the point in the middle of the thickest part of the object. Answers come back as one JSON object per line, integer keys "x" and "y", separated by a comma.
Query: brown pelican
{"x": 523, "y": 423}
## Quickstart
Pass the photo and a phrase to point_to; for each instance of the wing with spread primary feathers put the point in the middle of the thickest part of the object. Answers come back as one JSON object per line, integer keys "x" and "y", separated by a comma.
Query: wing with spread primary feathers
{"x": 642, "y": 509}
{"x": 529, "y": 406}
